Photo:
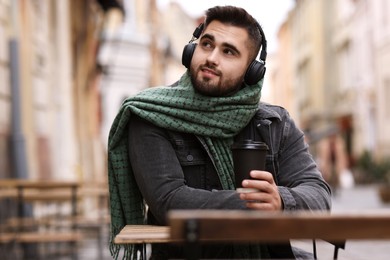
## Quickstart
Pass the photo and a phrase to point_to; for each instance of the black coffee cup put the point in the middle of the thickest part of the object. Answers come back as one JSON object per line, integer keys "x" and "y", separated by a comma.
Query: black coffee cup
{"x": 248, "y": 155}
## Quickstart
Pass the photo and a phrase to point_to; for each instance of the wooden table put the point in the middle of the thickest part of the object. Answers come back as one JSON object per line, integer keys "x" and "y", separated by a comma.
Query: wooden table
{"x": 244, "y": 226}
{"x": 204, "y": 226}
{"x": 42, "y": 190}
{"x": 143, "y": 234}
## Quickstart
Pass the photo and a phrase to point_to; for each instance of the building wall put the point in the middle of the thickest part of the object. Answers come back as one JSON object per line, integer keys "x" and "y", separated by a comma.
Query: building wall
{"x": 86, "y": 23}
{"x": 282, "y": 89}
{"x": 177, "y": 29}
{"x": 340, "y": 71}
{"x": 60, "y": 111}
{"x": 64, "y": 144}
{"x": 381, "y": 35}
{"x": 55, "y": 71}
{"x": 309, "y": 60}
{"x": 33, "y": 36}
{"x": 5, "y": 90}
{"x": 125, "y": 56}
{"x": 320, "y": 44}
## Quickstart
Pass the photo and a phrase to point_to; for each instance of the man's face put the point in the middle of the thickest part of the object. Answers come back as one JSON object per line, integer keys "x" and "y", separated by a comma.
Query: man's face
{"x": 220, "y": 60}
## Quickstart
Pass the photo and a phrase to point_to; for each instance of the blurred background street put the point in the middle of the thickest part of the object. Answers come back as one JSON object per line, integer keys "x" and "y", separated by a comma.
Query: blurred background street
{"x": 67, "y": 65}
{"x": 359, "y": 198}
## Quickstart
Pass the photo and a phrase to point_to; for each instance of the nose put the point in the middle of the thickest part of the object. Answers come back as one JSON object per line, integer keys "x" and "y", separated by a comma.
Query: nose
{"x": 213, "y": 57}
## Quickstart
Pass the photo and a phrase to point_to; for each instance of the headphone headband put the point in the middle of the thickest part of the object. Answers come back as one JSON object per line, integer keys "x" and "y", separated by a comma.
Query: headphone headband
{"x": 263, "y": 53}
{"x": 197, "y": 32}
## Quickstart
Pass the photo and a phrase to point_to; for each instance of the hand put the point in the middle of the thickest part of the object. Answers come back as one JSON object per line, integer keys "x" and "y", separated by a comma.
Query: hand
{"x": 267, "y": 197}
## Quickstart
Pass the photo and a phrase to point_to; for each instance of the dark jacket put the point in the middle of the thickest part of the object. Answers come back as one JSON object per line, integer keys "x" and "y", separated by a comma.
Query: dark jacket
{"x": 174, "y": 171}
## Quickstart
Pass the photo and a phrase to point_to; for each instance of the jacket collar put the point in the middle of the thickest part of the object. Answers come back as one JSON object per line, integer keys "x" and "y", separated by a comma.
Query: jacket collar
{"x": 266, "y": 112}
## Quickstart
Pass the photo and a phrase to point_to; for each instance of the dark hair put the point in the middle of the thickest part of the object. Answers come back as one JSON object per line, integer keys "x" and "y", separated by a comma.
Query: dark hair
{"x": 239, "y": 17}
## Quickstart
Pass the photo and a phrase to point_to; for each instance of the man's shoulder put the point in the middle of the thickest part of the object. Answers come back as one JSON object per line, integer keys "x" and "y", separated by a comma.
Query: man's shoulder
{"x": 270, "y": 111}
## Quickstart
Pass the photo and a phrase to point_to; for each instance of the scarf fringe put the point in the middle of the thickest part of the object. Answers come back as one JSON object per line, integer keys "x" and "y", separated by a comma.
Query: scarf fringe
{"x": 130, "y": 251}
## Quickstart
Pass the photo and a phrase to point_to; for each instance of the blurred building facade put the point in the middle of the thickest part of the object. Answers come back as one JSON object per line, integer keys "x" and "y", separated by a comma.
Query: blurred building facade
{"x": 49, "y": 98}
{"x": 380, "y": 33}
{"x": 337, "y": 66}
{"x": 279, "y": 74}
{"x": 78, "y": 62}
{"x": 145, "y": 52}
{"x": 125, "y": 56}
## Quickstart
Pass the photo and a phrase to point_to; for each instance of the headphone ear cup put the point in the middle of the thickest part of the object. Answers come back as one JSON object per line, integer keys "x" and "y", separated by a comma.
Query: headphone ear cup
{"x": 255, "y": 72}
{"x": 188, "y": 51}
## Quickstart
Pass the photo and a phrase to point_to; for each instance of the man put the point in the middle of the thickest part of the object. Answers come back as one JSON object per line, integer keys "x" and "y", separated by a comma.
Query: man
{"x": 170, "y": 146}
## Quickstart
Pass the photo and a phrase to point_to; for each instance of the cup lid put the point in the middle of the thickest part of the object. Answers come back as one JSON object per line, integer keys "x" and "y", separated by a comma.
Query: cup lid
{"x": 249, "y": 144}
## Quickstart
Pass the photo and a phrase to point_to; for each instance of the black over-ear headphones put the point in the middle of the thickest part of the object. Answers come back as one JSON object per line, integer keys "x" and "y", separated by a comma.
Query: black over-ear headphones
{"x": 256, "y": 69}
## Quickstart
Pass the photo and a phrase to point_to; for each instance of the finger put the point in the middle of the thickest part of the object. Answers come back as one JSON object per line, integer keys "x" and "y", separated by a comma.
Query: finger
{"x": 260, "y": 185}
{"x": 262, "y": 175}
{"x": 256, "y": 196}
{"x": 259, "y": 206}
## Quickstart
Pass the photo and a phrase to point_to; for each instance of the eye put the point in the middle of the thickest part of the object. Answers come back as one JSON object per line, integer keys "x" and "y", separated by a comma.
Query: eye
{"x": 206, "y": 44}
{"x": 228, "y": 51}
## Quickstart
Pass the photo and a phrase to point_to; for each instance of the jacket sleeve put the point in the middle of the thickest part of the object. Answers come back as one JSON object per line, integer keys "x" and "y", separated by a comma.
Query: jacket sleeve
{"x": 160, "y": 177}
{"x": 300, "y": 182}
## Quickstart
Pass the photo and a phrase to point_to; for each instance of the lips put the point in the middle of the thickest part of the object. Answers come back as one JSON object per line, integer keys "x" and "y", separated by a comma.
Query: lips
{"x": 209, "y": 72}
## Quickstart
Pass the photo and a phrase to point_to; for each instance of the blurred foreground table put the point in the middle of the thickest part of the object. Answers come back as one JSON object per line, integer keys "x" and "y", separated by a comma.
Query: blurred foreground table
{"x": 193, "y": 227}
{"x": 245, "y": 226}
{"x": 42, "y": 208}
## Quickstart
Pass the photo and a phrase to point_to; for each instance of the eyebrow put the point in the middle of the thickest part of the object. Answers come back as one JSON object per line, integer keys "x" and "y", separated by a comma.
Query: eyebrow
{"x": 225, "y": 44}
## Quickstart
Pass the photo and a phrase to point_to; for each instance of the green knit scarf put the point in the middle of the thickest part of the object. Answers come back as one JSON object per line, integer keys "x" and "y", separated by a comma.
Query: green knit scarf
{"x": 214, "y": 119}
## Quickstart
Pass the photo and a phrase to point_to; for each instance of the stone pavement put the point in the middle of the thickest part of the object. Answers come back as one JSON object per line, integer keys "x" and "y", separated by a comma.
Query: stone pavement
{"x": 357, "y": 198}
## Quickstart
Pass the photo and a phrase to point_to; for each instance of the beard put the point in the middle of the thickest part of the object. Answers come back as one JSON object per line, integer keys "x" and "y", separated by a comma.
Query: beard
{"x": 208, "y": 87}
